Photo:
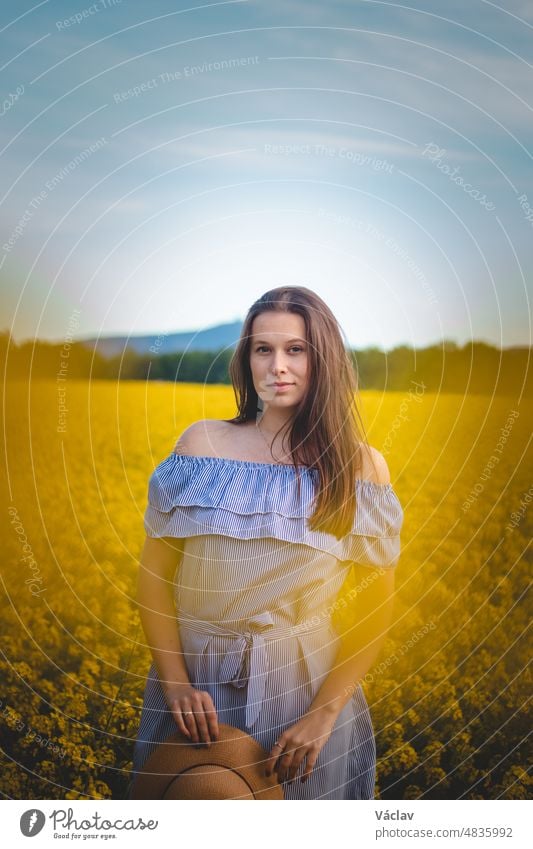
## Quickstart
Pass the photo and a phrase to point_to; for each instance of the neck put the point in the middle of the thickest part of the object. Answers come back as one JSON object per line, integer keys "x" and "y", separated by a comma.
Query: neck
{"x": 272, "y": 420}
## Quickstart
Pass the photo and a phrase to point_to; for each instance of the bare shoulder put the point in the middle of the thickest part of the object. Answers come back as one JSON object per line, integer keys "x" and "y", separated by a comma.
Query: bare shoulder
{"x": 375, "y": 466}
{"x": 199, "y": 438}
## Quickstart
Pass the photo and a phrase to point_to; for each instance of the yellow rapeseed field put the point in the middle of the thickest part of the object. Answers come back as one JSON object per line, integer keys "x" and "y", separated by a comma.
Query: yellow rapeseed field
{"x": 449, "y": 689}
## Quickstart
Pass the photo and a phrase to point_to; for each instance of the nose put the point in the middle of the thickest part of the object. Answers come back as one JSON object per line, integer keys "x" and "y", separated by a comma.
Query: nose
{"x": 278, "y": 363}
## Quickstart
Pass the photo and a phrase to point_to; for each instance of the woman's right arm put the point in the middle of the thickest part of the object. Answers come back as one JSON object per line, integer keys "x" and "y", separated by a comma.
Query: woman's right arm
{"x": 155, "y": 600}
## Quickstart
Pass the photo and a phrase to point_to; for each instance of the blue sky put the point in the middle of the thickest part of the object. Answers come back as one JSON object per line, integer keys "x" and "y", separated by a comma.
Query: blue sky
{"x": 164, "y": 164}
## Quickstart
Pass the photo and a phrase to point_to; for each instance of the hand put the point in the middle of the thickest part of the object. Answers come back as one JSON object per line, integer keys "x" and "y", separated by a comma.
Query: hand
{"x": 305, "y": 739}
{"x": 202, "y": 724}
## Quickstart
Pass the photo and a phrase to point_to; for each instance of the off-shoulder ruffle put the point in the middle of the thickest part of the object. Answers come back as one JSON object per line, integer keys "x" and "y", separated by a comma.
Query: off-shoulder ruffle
{"x": 190, "y": 495}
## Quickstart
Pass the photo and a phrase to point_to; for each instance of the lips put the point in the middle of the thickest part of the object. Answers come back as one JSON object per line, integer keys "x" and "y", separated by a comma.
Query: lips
{"x": 283, "y": 384}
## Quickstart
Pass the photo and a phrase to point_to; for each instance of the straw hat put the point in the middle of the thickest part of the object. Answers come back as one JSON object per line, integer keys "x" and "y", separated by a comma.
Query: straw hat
{"x": 233, "y": 767}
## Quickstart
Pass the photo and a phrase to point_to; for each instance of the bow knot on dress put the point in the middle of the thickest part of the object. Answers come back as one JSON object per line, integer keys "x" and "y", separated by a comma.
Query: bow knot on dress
{"x": 246, "y": 662}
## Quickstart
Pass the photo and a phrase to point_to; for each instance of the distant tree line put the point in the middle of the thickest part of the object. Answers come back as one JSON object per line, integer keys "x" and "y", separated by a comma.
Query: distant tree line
{"x": 475, "y": 368}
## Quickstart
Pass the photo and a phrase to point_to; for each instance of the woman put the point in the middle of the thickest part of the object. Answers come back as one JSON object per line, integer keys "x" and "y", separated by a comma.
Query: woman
{"x": 253, "y": 524}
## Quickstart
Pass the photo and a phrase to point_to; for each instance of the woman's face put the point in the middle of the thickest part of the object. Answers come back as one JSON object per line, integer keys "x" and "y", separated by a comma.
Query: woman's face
{"x": 279, "y": 355}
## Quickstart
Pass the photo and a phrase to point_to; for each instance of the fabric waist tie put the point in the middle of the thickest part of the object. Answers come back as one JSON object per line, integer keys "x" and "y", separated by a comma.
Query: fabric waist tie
{"x": 246, "y": 661}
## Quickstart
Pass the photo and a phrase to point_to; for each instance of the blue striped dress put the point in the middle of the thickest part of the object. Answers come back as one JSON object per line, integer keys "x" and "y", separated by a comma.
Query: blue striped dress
{"x": 255, "y": 590}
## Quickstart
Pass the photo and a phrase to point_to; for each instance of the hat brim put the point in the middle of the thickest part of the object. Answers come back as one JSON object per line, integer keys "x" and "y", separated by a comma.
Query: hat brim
{"x": 234, "y": 750}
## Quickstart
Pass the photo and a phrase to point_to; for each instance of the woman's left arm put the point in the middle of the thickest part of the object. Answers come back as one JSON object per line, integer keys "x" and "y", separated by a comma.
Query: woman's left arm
{"x": 359, "y": 648}
{"x": 361, "y": 645}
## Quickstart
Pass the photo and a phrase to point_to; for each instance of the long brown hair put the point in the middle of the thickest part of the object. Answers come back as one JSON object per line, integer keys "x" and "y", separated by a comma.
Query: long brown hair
{"x": 326, "y": 430}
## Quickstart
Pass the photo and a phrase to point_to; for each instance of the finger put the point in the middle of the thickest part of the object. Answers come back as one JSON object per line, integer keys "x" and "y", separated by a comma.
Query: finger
{"x": 178, "y": 717}
{"x": 284, "y": 764}
{"x": 190, "y": 721}
{"x": 295, "y": 765}
{"x": 310, "y": 762}
{"x": 211, "y": 717}
{"x": 201, "y": 722}
{"x": 275, "y": 753}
